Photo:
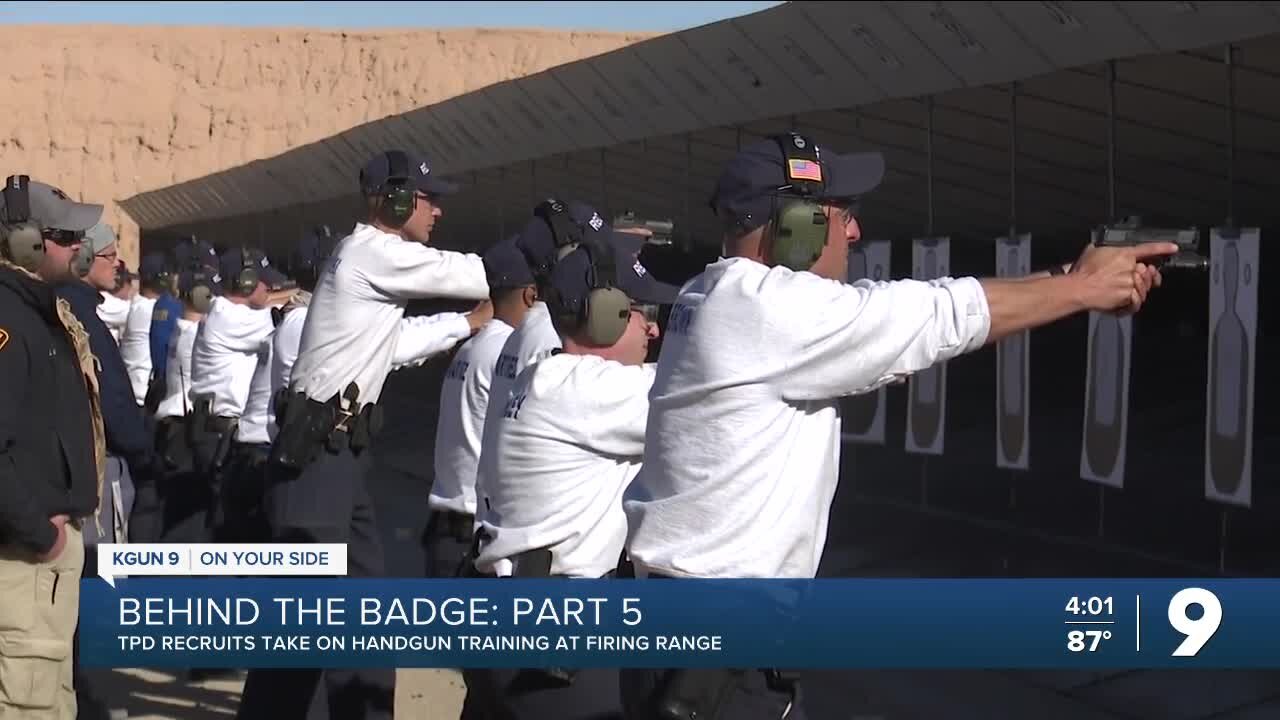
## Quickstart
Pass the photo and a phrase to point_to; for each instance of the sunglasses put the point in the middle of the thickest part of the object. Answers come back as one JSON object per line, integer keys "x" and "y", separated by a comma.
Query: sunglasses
{"x": 65, "y": 238}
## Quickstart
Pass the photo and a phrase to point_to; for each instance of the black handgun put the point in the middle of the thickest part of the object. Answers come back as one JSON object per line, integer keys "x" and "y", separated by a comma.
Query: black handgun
{"x": 1132, "y": 234}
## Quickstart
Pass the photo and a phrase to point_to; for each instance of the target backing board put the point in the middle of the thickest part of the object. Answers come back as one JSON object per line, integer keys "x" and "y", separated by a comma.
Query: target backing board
{"x": 1013, "y": 367}
{"x": 927, "y": 392}
{"x": 863, "y": 416}
{"x": 1233, "y": 337}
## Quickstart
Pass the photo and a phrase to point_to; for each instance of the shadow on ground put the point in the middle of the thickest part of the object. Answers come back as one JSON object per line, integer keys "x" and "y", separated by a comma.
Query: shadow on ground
{"x": 162, "y": 695}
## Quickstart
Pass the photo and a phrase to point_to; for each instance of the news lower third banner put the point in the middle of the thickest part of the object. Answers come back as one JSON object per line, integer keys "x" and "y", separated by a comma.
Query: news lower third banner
{"x": 321, "y": 622}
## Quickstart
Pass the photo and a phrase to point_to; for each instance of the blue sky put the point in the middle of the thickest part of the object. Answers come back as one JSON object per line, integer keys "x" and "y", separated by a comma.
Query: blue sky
{"x": 586, "y": 15}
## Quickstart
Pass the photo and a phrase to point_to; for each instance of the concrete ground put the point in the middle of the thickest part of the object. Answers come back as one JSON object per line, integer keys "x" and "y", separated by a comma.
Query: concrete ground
{"x": 156, "y": 695}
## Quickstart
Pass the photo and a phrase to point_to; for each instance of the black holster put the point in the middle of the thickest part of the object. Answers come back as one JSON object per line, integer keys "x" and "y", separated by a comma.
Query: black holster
{"x": 537, "y": 564}
{"x": 173, "y": 443}
{"x": 227, "y": 429}
{"x": 201, "y": 407}
{"x": 157, "y": 388}
{"x": 700, "y": 693}
{"x": 694, "y": 693}
{"x": 307, "y": 427}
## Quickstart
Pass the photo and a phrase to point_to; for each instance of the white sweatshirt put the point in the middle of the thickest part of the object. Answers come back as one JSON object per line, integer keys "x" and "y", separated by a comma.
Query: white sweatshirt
{"x": 135, "y": 345}
{"x": 568, "y": 442}
{"x": 420, "y": 338}
{"x": 258, "y": 419}
{"x": 114, "y": 313}
{"x": 227, "y": 353}
{"x": 742, "y": 454}
{"x": 464, "y": 398}
{"x": 536, "y": 338}
{"x": 361, "y": 296}
{"x": 177, "y": 398}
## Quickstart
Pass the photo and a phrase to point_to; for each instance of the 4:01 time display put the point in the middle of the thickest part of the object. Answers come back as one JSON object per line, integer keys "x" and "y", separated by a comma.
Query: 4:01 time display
{"x": 1090, "y": 606}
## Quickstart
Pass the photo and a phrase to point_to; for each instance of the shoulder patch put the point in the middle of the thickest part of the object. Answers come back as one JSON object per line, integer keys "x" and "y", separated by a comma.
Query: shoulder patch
{"x": 4, "y": 338}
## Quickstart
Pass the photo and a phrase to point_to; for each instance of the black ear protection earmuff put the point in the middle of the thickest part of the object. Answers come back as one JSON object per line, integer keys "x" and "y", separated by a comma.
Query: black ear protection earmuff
{"x": 605, "y": 312}
{"x": 399, "y": 198}
{"x": 799, "y": 224}
{"x": 566, "y": 232}
{"x": 23, "y": 237}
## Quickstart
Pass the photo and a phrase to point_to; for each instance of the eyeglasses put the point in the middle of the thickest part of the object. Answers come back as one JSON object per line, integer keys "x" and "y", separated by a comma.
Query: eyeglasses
{"x": 112, "y": 256}
{"x": 647, "y": 310}
{"x": 848, "y": 209}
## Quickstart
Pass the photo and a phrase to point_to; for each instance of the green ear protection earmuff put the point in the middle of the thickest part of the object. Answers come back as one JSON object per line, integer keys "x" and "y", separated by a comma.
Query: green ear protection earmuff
{"x": 83, "y": 262}
{"x": 246, "y": 280}
{"x": 200, "y": 294}
{"x": 399, "y": 197}
{"x": 23, "y": 237}
{"x": 606, "y": 310}
{"x": 798, "y": 221}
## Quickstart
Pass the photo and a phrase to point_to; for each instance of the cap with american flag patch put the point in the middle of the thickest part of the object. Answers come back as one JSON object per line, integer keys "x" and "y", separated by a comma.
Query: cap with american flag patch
{"x": 761, "y": 171}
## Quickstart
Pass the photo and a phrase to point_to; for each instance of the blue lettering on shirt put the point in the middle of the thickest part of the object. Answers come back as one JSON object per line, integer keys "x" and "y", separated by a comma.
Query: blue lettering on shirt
{"x": 514, "y": 403}
{"x": 506, "y": 367}
{"x": 457, "y": 370}
{"x": 680, "y": 320}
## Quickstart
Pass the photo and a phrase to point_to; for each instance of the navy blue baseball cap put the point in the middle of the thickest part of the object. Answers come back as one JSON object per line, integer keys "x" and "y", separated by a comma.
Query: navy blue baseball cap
{"x": 312, "y": 250}
{"x": 759, "y": 172}
{"x": 554, "y": 225}
{"x": 505, "y": 266}
{"x": 571, "y": 278}
{"x": 187, "y": 280}
{"x": 152, "y": 267}
{"x": 395, "y": 166}
{"x": 190, "y": 252}
{"x": 235, "y": 259}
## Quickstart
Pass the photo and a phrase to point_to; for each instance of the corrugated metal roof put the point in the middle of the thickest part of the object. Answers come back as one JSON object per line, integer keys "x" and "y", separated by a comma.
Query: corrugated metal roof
{"x": 792, "y": 60}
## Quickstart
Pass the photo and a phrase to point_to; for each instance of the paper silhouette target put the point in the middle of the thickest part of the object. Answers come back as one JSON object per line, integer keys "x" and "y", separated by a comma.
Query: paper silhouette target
{"x": 863, "y": 416}
{"x": 1013, "y": 367}
{"x": 927, "y": 403}
{"x": 1233, "y": 325}
{"x": 1106, "y": 401}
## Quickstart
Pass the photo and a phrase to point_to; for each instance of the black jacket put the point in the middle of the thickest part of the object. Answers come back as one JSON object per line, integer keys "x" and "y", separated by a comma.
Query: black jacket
{"x": 127, "y": 434}
{"x": 47, "y": 464}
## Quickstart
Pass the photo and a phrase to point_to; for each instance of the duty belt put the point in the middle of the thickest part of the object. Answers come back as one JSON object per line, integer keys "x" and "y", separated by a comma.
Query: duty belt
{"x": 220, "y": 424}
{"x": 308, "y": 427}
{"x": 459, "y": 526}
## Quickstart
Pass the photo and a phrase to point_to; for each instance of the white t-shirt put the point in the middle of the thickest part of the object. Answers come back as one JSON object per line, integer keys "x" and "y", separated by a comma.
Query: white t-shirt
{"x": 569, "y": 441}
{"x": 742, "y": 454}
{"x": 135, "y": 345}
{"x": 361, "y": 296}
{"x": 177, "y": 398}
{"x": 536, "y": 338}
{"x": 226, "y": 354}
{"x": 114, "y": 312}
{"x": 464, "y": 396}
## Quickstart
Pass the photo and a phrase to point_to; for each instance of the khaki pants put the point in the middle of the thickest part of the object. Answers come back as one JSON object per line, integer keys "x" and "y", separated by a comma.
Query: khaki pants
{"x": 39, "y": 608}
